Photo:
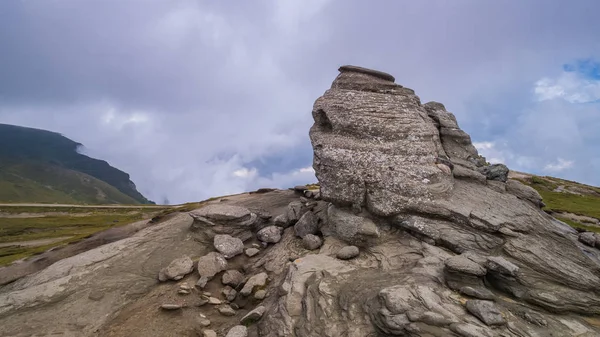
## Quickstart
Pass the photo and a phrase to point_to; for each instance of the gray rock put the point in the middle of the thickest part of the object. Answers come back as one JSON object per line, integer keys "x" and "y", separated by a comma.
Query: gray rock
{"x": 347, "y": 253}
{"x": 502, "y": 266}
{"x": 253, "y": 316}
{"x": 183, "y": 292}
{"x": 203, "y": 322}
{"x": 228, "y": 245}
{"x": 229, "y": 293}
{"x": 477, "y": 292}
{"x": 232, "y": 278}
{"x": 170, "y": 306}
{"x": 209, "y": 333}
{"x": 312, "y": 242}
{"x": 250, "y": 252}
{"x": 270, "y": 234}
{"x": 497, "y": 172}
{"x": 238, "y": 331}
{"x": 351, "y": 228}
{"x": 219, "y": 212}
{"x": 256, "y": 281}
{"x": 202, "y": 281}
{"x": 211, "y": 264}
{"x": 364, "y": 159}
{"x": 226, "y": 310}
{"x": 281, "y": 221}
{"x": 588, "y": 238}
{"x": 294, "y": 212}
{"x": 462, "y": 264}
{"x": 524, "y": 192}
{"x": 214, "y": 301}
{"x": 260, "y": 294}
{"x": 486, "y": 311}
{"x": 177, "y": 269}
{"x": 308, "y": 224}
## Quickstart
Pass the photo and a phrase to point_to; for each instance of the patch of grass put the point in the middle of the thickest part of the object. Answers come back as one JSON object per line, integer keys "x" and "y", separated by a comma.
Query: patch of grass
{"x": 576, "y": 224}
{"x": 571, "y": 203}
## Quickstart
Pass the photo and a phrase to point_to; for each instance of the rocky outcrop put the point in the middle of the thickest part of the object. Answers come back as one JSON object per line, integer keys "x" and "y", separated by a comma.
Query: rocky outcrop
{"x": 411, "y": 234}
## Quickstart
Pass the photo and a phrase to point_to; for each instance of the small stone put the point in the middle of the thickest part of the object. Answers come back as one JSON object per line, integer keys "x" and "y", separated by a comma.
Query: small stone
{"x": 281, "y": 221}
{"x": 171, "y": 306}
{"x": 253, "y": 315}
{"x": 258, "y": 280}
{"x": 202, "y": 282}
{"x": 209, "y": 333}
{"x": 206, "y": 293}
{"x": 250, "y": 252}
{"x": 270, "y": 234}
{"x": 312, "y": 242}
{"x": 255, "y": 245}
{"x": 235, "y": 306}
{"x": 228, "y": 245}
{"x": 201, "y": 302}
{"x": 348, "y": 252}
{"x": 232, "y": 278}
{"x": 226, "y": 310}
{"x": 238, "y": 331}
{"x": 486, "y": 311}
{"x": 260, "y": 294}
{"x": 177, "y": 269}
{"x": 229, "y": 293}
{"x": 214, "y": 301}
{"x": 183, "y": 292}
{"x": 185, "y": 286}
{"x": 96, "y": 295}
{"x": 211, "y": 264}
{"x": 204, "y": 322}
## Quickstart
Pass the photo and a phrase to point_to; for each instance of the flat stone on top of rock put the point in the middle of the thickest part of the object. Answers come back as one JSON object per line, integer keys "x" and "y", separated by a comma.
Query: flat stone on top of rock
{"x": 253, "y": 315}
{"x": 211, "y": 264}
{"x": 238, "y": 331}
{"x": 228, "y": 245}
{"x": 376, "y": 73}
{"x": 270, "y": 234}
{"x": 258, "y": 280}
{"x": 497, "y": 172}
{"x": 221, "y": 212}
{"x": 177, "y": 269}
{"x": 486, "y": 311}
{"x": 347, "y": 253}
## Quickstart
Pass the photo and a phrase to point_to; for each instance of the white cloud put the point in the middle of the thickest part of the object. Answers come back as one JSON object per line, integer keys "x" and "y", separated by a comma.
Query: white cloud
{"x": 560, "y": 165}
{"x": 569, "y": 86}
{"x": 245, "y": 173}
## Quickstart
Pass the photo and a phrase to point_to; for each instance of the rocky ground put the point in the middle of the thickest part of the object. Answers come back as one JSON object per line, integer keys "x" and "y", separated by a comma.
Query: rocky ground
{"x": 411, "y": 233}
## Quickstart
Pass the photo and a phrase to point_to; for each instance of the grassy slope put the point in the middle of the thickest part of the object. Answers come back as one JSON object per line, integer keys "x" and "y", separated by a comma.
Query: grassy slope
{"x": 34, "y": 182}
{"x": 74, "y": 224}
{"x": 585, "y": 201}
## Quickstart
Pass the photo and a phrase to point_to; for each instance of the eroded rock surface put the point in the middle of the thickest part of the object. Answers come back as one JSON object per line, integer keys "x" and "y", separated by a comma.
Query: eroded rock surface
{"x": 438, "y": 243}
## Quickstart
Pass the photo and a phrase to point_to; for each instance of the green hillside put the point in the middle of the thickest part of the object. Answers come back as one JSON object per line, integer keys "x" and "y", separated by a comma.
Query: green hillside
{"x": 38, "y": 166}
{"x": 574, "y": 203}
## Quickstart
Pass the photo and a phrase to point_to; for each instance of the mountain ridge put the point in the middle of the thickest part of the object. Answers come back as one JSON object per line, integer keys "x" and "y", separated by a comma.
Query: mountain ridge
{"x": 46, "y": 155}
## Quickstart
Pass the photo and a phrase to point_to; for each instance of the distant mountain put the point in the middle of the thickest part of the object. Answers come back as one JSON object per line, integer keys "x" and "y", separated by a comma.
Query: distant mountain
{"x": 42, "y": 166}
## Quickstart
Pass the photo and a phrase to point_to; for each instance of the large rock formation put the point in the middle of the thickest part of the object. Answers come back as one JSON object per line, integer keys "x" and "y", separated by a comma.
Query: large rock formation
{"x": 415, "y": 235}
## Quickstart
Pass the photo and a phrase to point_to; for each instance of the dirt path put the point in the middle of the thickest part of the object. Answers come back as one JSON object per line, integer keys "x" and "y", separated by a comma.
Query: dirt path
{"x": 34, "y": 243}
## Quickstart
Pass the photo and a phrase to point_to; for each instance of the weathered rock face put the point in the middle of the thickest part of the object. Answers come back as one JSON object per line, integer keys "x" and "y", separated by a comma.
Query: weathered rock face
{"x": 375, "y": 146}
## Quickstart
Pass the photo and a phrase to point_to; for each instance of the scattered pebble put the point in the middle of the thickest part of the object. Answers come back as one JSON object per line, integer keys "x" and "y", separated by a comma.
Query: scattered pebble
{"x": 170, "y": 306}
{"x": 250, "y": 252}
{"x": 214, "y": 300}
{"x": 226, "y": 310}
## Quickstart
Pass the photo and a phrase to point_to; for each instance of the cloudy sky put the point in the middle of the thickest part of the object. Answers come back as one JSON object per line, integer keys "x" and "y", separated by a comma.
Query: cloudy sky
{"x": 202, "y": 98}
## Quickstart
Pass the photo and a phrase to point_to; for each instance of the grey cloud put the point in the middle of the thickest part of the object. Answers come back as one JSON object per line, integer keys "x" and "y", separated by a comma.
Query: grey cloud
{"x": 224, "y": 86}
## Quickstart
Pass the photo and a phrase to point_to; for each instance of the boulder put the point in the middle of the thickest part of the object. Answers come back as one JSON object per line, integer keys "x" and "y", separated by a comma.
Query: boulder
{"x": 308, "y": 224}
{"x": 524, "y": 192}
{"x": 237, "y": 331}
{"x": 498, "y": 172}
{"x": 211, "y": 264}
{"x": 228, "y": 245}
{"x": 501, "y": 265}
{"x": 294, "y": 212}
{"x": 353, "y": 229}
{"x": 232, "y": 278}
{"x": 312, "y": 242}
{"x": 253, "y": 315}
{"x": 177, "y": 269}
{"x": 347, "y": 253}
{"x": 270, "y": 234}
{"x": 256, "y": 281}
{"x": 588, "y": 238}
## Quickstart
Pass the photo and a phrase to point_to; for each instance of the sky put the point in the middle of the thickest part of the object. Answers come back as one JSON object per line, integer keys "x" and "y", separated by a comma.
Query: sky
{"x": 196, "y": 98}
